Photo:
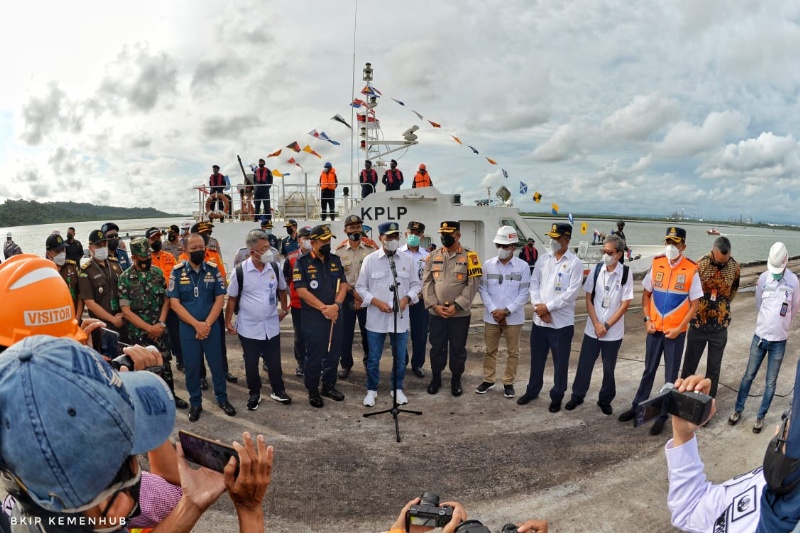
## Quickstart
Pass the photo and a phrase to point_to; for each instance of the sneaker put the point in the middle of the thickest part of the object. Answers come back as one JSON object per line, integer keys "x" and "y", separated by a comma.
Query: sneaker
{"x": 734, "y": 418}
{"x": 298, "y": 371}
{"x": 281, "y": 397}
{"x": 508, "y": 391}
{"x": 573, "y": 403}
{"x": 658, "y": 426}
{"x": 252, "y": 403}
{"x": 401, "y": 398}
{"x": 369, "y": 399}
{"x": 483, "y": 387}
{"x": 627, "y": 416}
{"x": 758, "y": 425}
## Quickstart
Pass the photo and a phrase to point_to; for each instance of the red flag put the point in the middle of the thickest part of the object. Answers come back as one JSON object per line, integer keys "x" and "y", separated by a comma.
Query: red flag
{"x": 294, "y": 146}
{"x": 294, "y": 162}
{"x": 434, "y": 124}
{"x": 275, "y": 154}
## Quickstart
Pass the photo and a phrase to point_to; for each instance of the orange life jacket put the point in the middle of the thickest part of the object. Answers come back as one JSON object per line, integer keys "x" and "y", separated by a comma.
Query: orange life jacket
{"x": 422, "y": 180}
{"x": 165, "y": 261}
{"x": 216, "y": 180}
{"x": 669, "y": 302}
{"x": 294, "y": 298}
{"x": 369, "y": 176}
{"x": 261, "y": 175}
{"x": 328, "y": 179}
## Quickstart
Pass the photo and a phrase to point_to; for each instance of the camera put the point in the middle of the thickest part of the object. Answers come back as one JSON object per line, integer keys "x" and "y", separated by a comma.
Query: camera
{"x": 475, "y": 526}
{"x": 427, "y": 512}
{"x": 126, "y": 361}
{"x": 691, "y": 406}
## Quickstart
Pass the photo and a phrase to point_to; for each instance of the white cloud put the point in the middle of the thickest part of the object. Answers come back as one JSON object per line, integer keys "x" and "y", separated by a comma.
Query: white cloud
{"x": 645, "y": 115}
{"x": 768, "y": 155}
{"x": 685, "y": 139}
{"x": 562, "y": 145}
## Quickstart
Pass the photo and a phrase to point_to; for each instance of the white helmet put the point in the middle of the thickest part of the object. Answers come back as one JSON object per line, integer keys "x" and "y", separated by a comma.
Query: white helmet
{"x": 506, "y": 235}
{"x": 778, "y": 257}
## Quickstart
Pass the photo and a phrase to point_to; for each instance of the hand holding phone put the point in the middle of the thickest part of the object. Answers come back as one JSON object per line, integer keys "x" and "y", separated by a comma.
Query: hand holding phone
{"x": 206, "y": 452}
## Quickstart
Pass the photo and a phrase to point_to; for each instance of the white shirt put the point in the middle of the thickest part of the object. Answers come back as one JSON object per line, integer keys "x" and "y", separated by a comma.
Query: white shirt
{"x": 697, "y": 505}
{"x": 772, "y": 299}
{"x": 617, "y": 293}
{"x": 374, "y": 281}
{"x": 556, "y": 284}
{"x": 505, "y": 287}
{"x": 258, "y": 305}
{"x": 419, "y": 257}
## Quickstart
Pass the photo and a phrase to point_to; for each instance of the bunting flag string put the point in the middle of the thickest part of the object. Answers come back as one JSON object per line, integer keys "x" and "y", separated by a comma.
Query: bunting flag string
{"x": 275, "y": 153}
{"x": 584, "y": 227}
{"x": 295, "y": 146}
{"x": 308, "y": 149}
{"x": 571, "y": 220}
{"x": 505, "y": 174}
{"x": 357, "y": 103}
{"x": 338, "y": 118}
{"x": 491, "y": 161}
{"x": 456, "y": 139}
{"x": 554, "y": 209}
{"x": 435, "y": 124}
{"x": 321, "y": 135}
{"x": 473, "y": 149}
{"x": 399, "y": 102}
{"x": 523, "y": 189}
{"x": 293, "y": 161}
{"x": 537, "y": 197}
{"x": 277, "y": 173}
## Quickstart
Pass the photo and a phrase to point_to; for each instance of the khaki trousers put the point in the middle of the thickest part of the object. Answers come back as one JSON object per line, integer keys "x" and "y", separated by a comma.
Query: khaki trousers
{"x": 491, "y": 335}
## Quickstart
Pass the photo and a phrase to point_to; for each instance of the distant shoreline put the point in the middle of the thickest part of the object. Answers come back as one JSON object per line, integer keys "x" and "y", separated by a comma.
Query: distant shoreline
{"x": 711, "y": 223}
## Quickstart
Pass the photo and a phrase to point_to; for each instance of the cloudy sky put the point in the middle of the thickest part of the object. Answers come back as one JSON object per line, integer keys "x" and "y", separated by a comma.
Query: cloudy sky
{"x": 608, "y": 107}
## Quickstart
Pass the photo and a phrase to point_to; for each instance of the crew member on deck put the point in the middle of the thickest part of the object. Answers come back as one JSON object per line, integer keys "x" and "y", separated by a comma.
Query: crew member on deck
{"x": 327, "y": 184}
{"x": 393, "y": 178}
{"x": 263, "y": 179}
{"x": 422, "y": 179}
{"x": 368, "y": 178}
{"x": 216, "y": 182}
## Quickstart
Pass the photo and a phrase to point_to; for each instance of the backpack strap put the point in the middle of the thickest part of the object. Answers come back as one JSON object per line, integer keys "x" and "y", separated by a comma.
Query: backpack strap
{"x": 240, "y": 282}
{"x": 596, "y": 275}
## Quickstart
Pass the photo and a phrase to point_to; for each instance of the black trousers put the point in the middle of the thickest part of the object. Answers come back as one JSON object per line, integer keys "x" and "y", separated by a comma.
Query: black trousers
{"x": 252, "y": 349}
{"x": 320, "y": 360}
{"x": 173, "y": 329}
{"x": 349, "y": 317}
{"x": 328, "y": 203}
{"x": 696, "y": 342}
{"x": 224, "y": 348}
{"x": 419, "y": 318}
{"x": 559, "y": 342}
{"x": 590, "y": 349}
{"x": 366, "y": 190}
{"x": 260, "y": 196}
{"x": 299, "y": 340}
{"x": 448, "y": 333}
{"x": 657, "y": 344}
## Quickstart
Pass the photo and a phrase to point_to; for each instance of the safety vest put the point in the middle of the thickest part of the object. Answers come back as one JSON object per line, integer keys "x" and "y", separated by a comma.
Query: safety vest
{"x": 422, "y": 180}
{"x": 294, "y": 298}
{"x": 669, "y": 302}
{"x": 216, "y": 180}
{"x": 261, "y": 175}
{"x": 165, "y": 261}
{"x": 327, "y": 179}
{"x": 369, "y": 176}
{"x": 394, "y": 176}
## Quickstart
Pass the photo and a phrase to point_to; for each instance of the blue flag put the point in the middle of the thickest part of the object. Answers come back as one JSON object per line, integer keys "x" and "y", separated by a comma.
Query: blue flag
{"x": 523, "y": 189}
{"x": 505, "y": 174}
{"x": 569, "y": 217}
{"x": 473, "y": 149}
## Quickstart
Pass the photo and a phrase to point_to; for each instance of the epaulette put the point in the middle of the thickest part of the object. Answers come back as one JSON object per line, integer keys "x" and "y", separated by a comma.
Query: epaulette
{"x": 211, "y": 263}
{"x": 343, "y": 243}
{"x": 692, "y": 261}
{"x": 369, "y": 242}
{"x": 113, "y": 259}
{"x": 428, "y": 258}
{"x": 71, "y": 262}
{"x": 179, "y": 264}
{"x": 87, "y": 265}
{"x": 474, "y": 268}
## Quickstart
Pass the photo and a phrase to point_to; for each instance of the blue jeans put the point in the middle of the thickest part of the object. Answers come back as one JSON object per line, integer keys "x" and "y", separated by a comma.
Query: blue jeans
{"x": 758, "y": 349}
{"x": 375, "y": 341}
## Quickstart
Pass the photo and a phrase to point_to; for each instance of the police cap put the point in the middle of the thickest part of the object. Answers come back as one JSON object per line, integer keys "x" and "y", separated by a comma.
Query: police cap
{"x": 55, "y": 242}
{"x": 321, "y": 232}
{"x": 449, "y": 226}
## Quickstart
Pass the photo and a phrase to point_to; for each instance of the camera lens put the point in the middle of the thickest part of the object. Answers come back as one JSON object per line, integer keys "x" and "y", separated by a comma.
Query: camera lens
{"x": 472, "y": 526}
{"x": 429, "y": 498}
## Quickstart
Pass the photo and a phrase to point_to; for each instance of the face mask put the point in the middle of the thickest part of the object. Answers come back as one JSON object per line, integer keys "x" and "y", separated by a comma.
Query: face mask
{"x": 206, "y": 237}
{"x": 70, "y": 237}
{"x": 555, "y": 246}
{"x": 268, "y": 231}
{"x": 267, "y": 257}
{"x": 609, "y": 260}
{"x": 778, "y": 276}
{"x": 171, "y": 237}
{"x": 324, "y": 250}
{"x": 503, "y": 253}
{"x": 413, "y": 240}
{"x": 113, "y": 244}
{"x": 391, "y": 245}
{"x": 197, "y": 257}
{"x": 306, "y": 244}
{"x": 354, "y": 236}
{"x": 144, "y": 265}
{"x": 448, "y": 240}
{"x": 156, "y": 246}
{"x": 101, "y": 254}
{"x": 60, "y": 259}
{"x": 778, "y": 467}
{"x": 672, "y": 252}
{"x": 290, "y": 231}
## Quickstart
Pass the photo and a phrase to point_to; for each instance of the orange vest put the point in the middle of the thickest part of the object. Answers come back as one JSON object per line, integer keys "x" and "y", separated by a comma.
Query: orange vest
{"x": 422, "y": 180}
{"x": 669, "y": 302}
{"x": 211, "y": 257}
{"x": 165, "y": 261}
{"x": 328, "y": 179}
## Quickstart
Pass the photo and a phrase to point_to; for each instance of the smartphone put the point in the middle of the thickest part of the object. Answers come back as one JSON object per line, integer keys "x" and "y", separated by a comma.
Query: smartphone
{"x": 205, "y": 452}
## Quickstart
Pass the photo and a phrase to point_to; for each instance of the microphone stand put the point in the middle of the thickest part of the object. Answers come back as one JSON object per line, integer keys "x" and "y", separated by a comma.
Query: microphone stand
{"x": 395, "y": 410}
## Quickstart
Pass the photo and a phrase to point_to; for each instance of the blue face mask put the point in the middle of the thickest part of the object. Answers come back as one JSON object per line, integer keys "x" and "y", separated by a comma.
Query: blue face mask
{"x": 413, "y": 240}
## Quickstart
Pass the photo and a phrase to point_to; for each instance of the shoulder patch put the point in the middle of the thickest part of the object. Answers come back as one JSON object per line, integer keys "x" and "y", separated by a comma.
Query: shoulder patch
{"x": 86, "y": 266}
{"x": 114, "y": 259}
{"x": 369, "y": 242}
{"x": 341, "y": 244}
{"x": 474, "y": 269}
{"x": 211, "y": 263}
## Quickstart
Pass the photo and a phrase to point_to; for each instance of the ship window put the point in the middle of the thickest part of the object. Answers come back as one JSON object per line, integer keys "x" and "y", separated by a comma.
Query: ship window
{"x": 521, "y": 239}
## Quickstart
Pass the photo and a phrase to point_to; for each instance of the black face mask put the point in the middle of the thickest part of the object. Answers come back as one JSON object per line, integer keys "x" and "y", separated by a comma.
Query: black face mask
{"x": 448, "y": 240}
{"x": 70, "y": 237}
{"x": 206, "y": 237}
{"x": 171, "y": 236}
{"x": 290, "y": 231}
{"x": 145, "y": 265}
{"x": 354, "y": 236}
{"x": 777, "y": 467}
{"x": 113, "y": 244}
{"x": 156, "y": 246}
{"x": 324, "y": 250}
{"x": 197, "y": 257}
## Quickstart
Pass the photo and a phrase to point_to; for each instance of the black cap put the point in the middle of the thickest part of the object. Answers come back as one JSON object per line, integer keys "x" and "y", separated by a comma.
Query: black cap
{"x": 558, "y": 230}
{"x": 109, "y": 226}
{"x": 266, "y": 223}
{"x": 202, "y": 227}
{"x": 290, "y": 222}
{"x": 174, "y": 228}
{"x": 323, "y": 231}
{"x": 305, "y": 231}
{"x": 353, "y": 219}
{"x": 389, "y": 228}
{"x": 215, "y": 166}
{"x": 368, "y": 162}
{"x": 418, "y": 226}
{"x": 675, "y": 234}
{"x": 449, "y": 226}
{"x": 97, "y": 236}
{"x": 152, "y": 231}
{"x": 55, "y": 242}
{"x": 621, "y": 223}
{"x": 393, "y": 161}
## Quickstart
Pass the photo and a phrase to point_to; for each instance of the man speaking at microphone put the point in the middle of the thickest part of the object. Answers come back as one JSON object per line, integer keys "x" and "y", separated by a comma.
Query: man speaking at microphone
{"x": 384, "y": 274}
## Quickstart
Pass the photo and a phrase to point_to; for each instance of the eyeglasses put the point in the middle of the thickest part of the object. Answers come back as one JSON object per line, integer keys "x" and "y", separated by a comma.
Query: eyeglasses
{"x": 610, "y": 252}
{"x": 505, "y": 246}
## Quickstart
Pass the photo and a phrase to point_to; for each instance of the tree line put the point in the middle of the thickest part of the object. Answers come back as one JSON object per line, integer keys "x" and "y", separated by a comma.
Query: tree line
{"x": 23, "y": 212}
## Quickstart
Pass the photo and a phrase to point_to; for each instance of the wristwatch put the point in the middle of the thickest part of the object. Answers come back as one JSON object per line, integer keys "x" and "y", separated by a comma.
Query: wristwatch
{"x": 646, "y": 319}
{"x": 160, "y": 323}
{"x": 508, "y": 313}
{"x": 605, "y": 325}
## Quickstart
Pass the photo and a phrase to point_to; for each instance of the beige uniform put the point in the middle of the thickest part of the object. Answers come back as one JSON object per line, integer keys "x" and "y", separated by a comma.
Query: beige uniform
{"x": 451, "y": 279}
{"x": 353, "y": 257}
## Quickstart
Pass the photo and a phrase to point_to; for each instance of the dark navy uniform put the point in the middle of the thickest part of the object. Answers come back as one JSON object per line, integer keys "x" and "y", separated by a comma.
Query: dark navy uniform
{"x": 319, "y": 276}
{"x": 197, "y": 292}
{"x": 289, "y": 245}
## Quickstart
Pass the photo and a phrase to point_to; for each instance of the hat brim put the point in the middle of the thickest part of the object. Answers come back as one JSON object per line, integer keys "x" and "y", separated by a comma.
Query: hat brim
{"x": 447, "y": 230}
{"x": 553, "y": 234}
{"x": 775, "y": 270}
{"x": 289, "y": 224}
{"x": 323, "y": 237}
{"x": 58, "y": 247}
{"x": 677, "y": 240}
{"x": 154, "y": 409}
{"x": 391, "y": 232}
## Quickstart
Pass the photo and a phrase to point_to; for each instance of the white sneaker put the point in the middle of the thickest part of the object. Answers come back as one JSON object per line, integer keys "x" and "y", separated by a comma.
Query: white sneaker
{"x": 369, "y": 399}
{"x": 401, "y": 398}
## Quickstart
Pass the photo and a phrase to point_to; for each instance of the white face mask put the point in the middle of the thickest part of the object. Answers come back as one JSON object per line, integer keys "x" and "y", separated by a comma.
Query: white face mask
{"x": 101, "y": 254}
{"x": 391, "y": 245}
{"x": 306, "y": 244}
{"x": 504, "y": 254}
{"x": 267, "y": 257}
{"x": 609, "y": 260}
{"x": 672, "y": 252}
{"x": 60, "y": 259}
{"x": 555, "y": 246}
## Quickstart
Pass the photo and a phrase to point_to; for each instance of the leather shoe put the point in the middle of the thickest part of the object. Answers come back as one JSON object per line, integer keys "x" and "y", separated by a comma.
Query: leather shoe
{"x": 627, "y": 416}
{"x": 606, "y": 408}
{"x": 418, "y": 372}
{"x": 434, "y": 387}
{"x": 331, "y": 392}
{"x": 315, "y": 399}
{"x": 194, "y": 412}
{"x": 180, "y": 403}
{"x": 572, "y": 404}
{"x": 555, "y": 406}
{"x": 658, "y": 426}
{"x": 227, "y": 407}
{"x": 456, "y": 389}
{"x": 526, "y": 398}
{"x": 230, "y": 378}
{"x": 343, "y": 373}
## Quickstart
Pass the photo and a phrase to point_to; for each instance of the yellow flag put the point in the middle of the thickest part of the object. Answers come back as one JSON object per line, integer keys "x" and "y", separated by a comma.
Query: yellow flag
{"x": 537, "y": 197}
{"x": 277, "y": 173}
{"x": 584, "y": 227}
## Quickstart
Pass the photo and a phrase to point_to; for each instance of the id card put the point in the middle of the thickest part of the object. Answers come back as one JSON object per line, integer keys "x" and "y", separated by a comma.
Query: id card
{"x": 784, "y": 308}
{"x": 272, "y": 298}
{"x": 606, "y": 301}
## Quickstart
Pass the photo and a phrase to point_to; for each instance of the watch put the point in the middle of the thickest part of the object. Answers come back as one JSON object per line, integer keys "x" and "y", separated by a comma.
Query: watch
{"x": 646, "y": 319}
{"x": 161, "y": 323}
{"x": 508, "y": 313}
{"x": 605, "y": 325}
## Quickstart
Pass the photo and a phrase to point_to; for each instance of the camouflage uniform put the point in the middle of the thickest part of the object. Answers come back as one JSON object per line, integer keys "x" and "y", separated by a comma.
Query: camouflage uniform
{"x": 69, "y": 271}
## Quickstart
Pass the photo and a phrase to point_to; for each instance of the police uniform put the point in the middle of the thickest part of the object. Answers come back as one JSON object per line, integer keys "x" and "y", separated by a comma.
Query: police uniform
{"x": 417, "y": 312}
{"x": 273, "y": 240}
{"x": 173, "y": 247}
{"x": 197, "y": 292}
{"x": 319, "y": 276}
{"x": 450, "y": 278}
{"x": 100, "y": 283}
{"x": 352, "y": 259}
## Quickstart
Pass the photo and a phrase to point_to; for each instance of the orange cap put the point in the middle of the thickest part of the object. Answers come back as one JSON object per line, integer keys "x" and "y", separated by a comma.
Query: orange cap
{"x": 36, "y": 301}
